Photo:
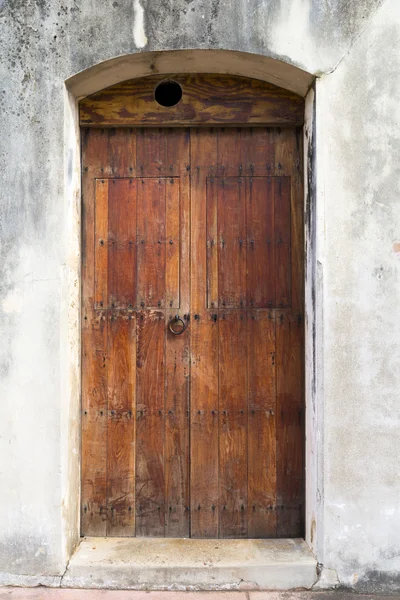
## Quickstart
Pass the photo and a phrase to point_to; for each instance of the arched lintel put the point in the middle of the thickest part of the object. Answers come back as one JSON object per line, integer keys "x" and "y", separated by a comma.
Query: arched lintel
{"x": 229, "y": 62}
{"x": 204, "y": 100}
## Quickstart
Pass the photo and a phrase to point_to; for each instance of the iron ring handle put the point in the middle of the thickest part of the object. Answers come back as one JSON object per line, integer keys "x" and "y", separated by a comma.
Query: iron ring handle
{"x": 177, "y": 319}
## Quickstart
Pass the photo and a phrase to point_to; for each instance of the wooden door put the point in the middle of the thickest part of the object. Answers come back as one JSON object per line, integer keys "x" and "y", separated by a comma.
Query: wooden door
{"x": 199, "y": 434}
{"x": 247, "y": 465}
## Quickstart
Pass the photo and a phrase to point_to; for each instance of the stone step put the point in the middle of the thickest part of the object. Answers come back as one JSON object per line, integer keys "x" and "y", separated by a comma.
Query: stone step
{"x": 188, "y": 564}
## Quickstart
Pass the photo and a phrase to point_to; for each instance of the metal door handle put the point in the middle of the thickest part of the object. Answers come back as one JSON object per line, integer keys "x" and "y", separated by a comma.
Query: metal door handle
{"x": 177, "y": 320}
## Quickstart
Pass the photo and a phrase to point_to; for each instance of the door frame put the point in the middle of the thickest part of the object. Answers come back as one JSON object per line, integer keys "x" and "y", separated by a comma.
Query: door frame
{"x": 100, "y": 77}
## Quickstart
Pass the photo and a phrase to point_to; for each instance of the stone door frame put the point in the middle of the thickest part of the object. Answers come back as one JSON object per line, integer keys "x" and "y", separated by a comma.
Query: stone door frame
{"x": 185, "y": 61}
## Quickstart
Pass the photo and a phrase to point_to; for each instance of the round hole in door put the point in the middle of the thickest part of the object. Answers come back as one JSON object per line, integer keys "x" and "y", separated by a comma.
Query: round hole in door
{"x": 168, "y": 93}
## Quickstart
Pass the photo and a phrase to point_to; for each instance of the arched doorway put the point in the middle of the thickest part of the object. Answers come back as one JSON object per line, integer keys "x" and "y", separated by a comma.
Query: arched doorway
{"x": 193, "y": 306}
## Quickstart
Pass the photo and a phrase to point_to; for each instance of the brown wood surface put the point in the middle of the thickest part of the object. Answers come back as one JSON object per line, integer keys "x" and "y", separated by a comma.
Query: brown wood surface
{"x": 231, "y": 242}
{"x": 121, "y": 424}
{"x": 206, "y": 99}
{"x": 261, "y": 280}
{"x": 249, "y": 234}
{"x": 150, "y": 503}
{"x": 121, "y": 243}
{"x": 200, "y": 434}
{"x": 261, "y": 424}
{"x": 290, "y": 425}
{"x": 233, "y": 424}
{"x": 94, "y": 424}
{"x": 151, "y": 243}
{"x": 204, "y": 395}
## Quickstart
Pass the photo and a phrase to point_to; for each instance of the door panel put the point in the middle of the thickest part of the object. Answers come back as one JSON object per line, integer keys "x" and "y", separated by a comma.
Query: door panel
{"x": 248, "y": 242}
{"x": 199, "y": 434}
{"x": 249, "y": 233}
{"x": 121, "y": 424}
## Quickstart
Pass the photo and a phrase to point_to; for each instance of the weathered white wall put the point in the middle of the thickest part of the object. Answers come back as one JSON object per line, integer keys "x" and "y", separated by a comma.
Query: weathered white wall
{"x": 45, "y": 42}
{"x": 358, "y": 186}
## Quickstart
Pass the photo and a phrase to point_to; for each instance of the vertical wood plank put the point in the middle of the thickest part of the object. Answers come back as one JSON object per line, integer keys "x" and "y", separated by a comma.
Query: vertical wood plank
{"x": 204, "y": 350}
{"x": 233, "y": 424}
{"x": 232, "y": 151}
{"x": 94, "y": 157}
{"x": 101, "y": 243}
{"x": 151, "y": 152}
{"x": 233, "y": 475}
{"x": 121, "y": 152}
{"x": 178, "y": 150}
{"x": 122, "y": 243}
{"x": 261, "y": 273}
{"x": 93, "y": 354}
{"x": 261, "y": 425}
{"x": 261, "y": 360}
{"x": 121, "y": 424}
{"x": 177, "y": 435}
{"x": 297, "y": 223}
{"x": 177, "y": 368}
{"x": 94, "y": 425}
{"x": 262, "y": 475}
{"x": 150, "y": 411}
{"x": 151, "y": 243}
{"x": 290, "y": 425}
{"x": 232, "y": 248}
{"x": 283, "y": 264}
{"x": 212, "y": 243}
{"x": 259, "y": 152}
{"x": 172, "y": 226}
{"x": 204, "y": 493}
{"x": 288, "y": 163}
{"x": 203, "y": 145}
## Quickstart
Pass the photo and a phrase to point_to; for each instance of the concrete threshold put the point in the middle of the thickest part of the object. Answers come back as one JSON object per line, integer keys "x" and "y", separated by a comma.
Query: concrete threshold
{"x": 188, "y": 564}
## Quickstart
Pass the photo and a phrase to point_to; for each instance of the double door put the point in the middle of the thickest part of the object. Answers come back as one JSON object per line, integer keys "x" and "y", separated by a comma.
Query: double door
{"x": 192, "y": 333}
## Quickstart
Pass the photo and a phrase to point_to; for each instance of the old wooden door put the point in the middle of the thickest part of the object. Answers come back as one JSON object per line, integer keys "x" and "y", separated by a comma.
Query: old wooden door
{"x": 192, "y": 332}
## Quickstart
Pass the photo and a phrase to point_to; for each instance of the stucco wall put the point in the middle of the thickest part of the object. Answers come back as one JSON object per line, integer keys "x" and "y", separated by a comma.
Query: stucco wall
{"x": 42, "y": 44}
{"x": 358, "y": 158}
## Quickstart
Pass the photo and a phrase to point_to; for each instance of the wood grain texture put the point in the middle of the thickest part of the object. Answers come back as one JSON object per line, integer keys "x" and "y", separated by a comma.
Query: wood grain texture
{"x": 249, "y": 261}
{"x": 204, "y": 427}
{"x": 253, "y": 443}
{"x": 101, "y": 243}
{"x": 121, "y": 244}
{"x": 233, "y": 424}
{"x": 150, "y": 407}
{"x": 206, "y": 100}
{"x": 261, "y": 424}
{"x": 121, "y": 424}
{"x": 204, "y": 397}
{"x": 202, "y": 434}
{"x": 177, "y": 463}
{"x": 172, "y": 241}
{"x": 288, "y": 162}
{"x": 231, "y": 242}
{"x": 290, "y": 424}
{"x": 151, "y": 243}
{"x": 212, "y": 242}
{"x": 283, "y": 271}
{"x": 261, "y": 279}
{"x": 94, "y": 424}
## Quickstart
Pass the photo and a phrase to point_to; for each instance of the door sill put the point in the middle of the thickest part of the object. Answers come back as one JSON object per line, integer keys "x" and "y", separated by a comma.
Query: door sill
{"x": 188, "y": 564}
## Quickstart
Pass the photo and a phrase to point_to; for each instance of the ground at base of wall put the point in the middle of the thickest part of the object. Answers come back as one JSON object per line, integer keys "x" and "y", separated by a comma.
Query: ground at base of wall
{"x": 66, "y": 594}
